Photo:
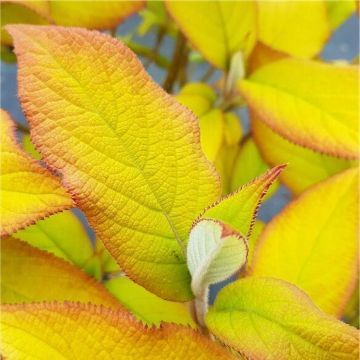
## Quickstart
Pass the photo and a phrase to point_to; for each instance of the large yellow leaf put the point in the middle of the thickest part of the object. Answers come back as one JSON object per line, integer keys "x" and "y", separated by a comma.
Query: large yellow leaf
{"x": 218, "y": 29}
{"x": 77, "y": 331}
{"x": 239, "y": 209}
{"x": 313, "y": 242}
{"x": 61, "y": 234}
{"x": 308, "y": 102}
{"x": 29, "y": 274}
{"x": 94, "y": 14}
{"x": 128, "y": 151}
{"x": 28, "y": 191}
{"x": 299, "y": 28}
{"x": 305, "y": 167}
{"x": 265, "y": 318}
{"x": 146, "y": 306}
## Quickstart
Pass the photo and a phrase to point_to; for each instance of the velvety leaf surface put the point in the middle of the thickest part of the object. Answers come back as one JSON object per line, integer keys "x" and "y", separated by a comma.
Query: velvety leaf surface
{"x": 129, "y": 152}
{"x": 146, "y": 306}
{"x": 265, "y": 318}
{"x": 93, "y": 14}
{"x": 312, "y": 104}
{"x": 239, "y": 209}
{"x": 299, "y": 28}
{"x": 29, "y": 274}
{"x": 218, "y": 29}
{"x": 78, "y": 331}
{"x": 305, "y": 167}
{"x": 214, "y": 253}
{"x": 28, "y": 191}
{"x": 61, "y": 234}
{"x": 313, "y": 242}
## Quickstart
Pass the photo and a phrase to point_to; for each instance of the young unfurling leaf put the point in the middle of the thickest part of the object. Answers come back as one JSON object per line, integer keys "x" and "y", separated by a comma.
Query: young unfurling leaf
{"x": 214, "y": 253}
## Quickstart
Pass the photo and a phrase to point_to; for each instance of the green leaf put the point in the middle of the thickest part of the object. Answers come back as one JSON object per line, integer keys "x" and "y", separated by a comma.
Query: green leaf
{"x": 146, "y": 306}
{"x": 62, "y": 235}
{"x": 265, "y": 318}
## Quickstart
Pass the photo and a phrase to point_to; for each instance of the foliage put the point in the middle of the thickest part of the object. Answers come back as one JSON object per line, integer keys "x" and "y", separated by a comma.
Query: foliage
{"x": 170, "y": 182}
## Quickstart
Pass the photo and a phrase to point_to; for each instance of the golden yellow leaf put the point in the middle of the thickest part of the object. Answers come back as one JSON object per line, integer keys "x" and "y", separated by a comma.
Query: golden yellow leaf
{"x": 218, "y": 29}
{"x": 313, "y": 242}
{"x": 77, "y": 331}
{"x": 30, "y": 274}
{"x": 311, "y": 103}
{"x": 28, "y": 191}
{"x": 305, "y": 167}
{"x": 93, "y": 14}
{"x": 128, "y": 151}
{"x": 299, "y": 28}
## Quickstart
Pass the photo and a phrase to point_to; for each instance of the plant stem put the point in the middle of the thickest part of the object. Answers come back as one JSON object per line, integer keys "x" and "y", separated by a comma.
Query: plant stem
{"x": 201, "y": 308}
{"x": 180, "y": 47}
{"x": 155, "y": 52}
{"x": 208, "y": 73}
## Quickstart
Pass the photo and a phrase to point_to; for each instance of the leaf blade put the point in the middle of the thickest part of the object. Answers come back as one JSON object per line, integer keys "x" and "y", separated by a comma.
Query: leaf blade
{"x": 265, "y": 317}
{"x": 142, "y": 202}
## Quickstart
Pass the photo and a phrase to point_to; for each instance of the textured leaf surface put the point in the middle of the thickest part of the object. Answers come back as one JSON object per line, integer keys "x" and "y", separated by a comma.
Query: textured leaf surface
{"x": 78, "y": 331}
{"x": 265, "y": 318}
{"x": 310, "y": 103}
{"x": 313, "y": 242}
{"x": 239, "y": 209}
{"x": 128, "y": 151}
{"x": 29, "y": 274}
{"x": 218, "y": 29}
{"x": 299, "y": 28}
{"x": 28, "y": 191}
{"x": 61, "y": 234}
{"x": 94, "y": 14}
{"x": 214, "y": 253}
{"x": 305, "y": 167}
{"x": 146, "y": 306}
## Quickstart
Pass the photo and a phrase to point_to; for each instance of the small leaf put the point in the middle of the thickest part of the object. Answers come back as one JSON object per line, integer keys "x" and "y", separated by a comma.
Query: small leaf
{"x": 265, "y": 318}
{"x": 253, "y": 241}
{"x": 214, "y": 253}
{"x": 28, "y": 191}
{"x": 306, "y": 167}
{"x": 312, "y": 104}
{"x": 321, "y": 257}
{"x": 239, "y": 209}
{"x": 127, "y": 150}
{"x": 77, "y": 331}
{"x": 218, "y": 29}
{"x": 29, "y": 147}
{"x": 233, "y": 131}
{"x": 29, "y": 274}
{"x": 146, "y": 306}
{"x": 299, "y": 28}
{"x": 62, "y": 235}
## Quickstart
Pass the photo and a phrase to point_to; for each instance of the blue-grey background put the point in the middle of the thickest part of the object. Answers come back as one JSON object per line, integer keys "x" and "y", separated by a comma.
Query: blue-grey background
{"x": 343, "y": 45}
